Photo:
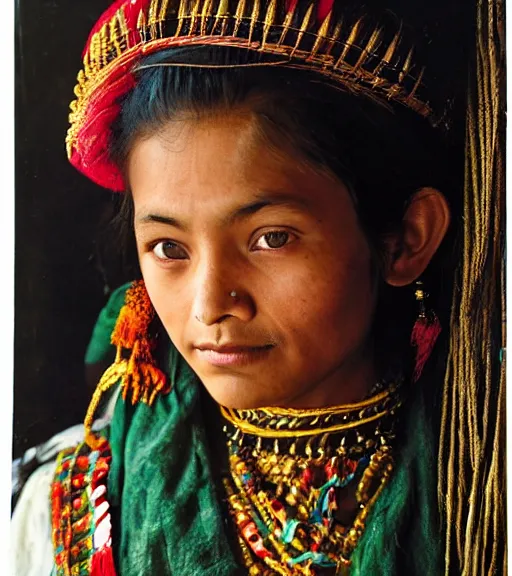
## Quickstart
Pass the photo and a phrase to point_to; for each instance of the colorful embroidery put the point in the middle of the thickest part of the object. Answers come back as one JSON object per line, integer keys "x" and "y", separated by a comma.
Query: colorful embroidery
{"x": 81, "y": 526}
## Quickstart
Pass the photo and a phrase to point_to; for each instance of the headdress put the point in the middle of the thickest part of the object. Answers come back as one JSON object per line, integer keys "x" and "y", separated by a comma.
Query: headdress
{"x": 367, "y": 51}
{"x": 356, "y": 51}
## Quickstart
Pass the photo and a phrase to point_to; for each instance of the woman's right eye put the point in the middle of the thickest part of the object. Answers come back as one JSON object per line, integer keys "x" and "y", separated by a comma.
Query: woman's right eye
{"x": 167, "y": 250}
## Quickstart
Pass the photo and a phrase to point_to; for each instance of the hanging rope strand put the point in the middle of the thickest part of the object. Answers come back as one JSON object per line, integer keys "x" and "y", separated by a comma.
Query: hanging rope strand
{"x": 472, "y": 426}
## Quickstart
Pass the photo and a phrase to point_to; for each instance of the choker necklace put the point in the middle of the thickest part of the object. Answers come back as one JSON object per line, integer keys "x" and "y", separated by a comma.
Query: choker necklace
{"x": 290, "y": 468}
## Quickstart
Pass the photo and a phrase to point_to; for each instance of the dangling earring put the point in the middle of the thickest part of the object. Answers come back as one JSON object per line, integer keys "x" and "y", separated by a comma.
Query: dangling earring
{"x": 138, "y": 373}
{"x": 425, "y": 331}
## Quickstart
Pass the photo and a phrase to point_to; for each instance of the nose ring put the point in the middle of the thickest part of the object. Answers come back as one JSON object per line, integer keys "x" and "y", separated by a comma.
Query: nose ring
{"x": 233, "y": 294}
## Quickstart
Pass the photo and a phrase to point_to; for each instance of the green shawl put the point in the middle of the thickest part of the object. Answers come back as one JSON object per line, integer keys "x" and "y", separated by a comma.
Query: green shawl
{"x": 167, "y": 517}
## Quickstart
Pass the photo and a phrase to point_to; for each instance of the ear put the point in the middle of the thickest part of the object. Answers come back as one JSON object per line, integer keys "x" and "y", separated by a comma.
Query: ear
{"x": 424, "y": 226}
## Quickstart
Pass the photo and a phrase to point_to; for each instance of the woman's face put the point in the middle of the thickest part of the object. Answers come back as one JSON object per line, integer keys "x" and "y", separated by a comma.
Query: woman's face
{"x": 218, "y": 212}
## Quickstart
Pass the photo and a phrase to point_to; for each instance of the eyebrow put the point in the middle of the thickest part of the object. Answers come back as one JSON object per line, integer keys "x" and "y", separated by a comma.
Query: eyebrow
{"x": 265, "y": 201}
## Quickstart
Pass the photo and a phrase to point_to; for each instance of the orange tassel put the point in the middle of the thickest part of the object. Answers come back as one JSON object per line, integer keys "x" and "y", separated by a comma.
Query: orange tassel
{"x": 138, "y": 373}
{"x": 134, "y": 317}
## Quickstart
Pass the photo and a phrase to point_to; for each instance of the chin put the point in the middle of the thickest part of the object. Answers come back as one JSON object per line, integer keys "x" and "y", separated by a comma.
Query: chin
{"x": 239, "y": 394}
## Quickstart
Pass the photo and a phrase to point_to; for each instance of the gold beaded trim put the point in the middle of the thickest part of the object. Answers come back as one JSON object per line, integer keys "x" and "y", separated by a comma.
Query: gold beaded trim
{"x": 353, "y": 55}
{"x": 292, "y": 423}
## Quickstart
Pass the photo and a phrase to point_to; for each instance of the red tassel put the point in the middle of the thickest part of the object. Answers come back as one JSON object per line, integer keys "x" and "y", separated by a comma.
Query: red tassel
{"x": 424, "y": 335}
{"x": 103, "y": 562}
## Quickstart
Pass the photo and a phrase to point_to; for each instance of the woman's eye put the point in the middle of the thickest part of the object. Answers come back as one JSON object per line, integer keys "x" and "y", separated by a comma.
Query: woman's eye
{"x": 274, "y": 240}
{"x": 168, "y": 250}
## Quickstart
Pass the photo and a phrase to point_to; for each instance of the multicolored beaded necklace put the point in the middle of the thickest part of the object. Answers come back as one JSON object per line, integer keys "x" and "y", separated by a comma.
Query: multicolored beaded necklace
{"x": 289, "y": 470}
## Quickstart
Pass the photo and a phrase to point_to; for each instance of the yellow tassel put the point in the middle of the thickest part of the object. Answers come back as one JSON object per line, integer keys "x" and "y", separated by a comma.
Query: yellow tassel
{"x": 137, "y": 373}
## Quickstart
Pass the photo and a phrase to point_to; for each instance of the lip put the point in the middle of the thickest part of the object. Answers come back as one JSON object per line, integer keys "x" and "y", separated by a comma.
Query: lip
{"x": 232, "y": 355}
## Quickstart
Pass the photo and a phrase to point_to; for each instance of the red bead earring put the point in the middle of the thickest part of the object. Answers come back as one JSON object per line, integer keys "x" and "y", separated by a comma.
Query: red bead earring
{"x": 425, "y": 331}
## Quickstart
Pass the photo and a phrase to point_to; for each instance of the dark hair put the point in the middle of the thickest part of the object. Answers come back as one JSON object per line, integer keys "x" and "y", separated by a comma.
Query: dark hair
{"x": 382, "y": 154}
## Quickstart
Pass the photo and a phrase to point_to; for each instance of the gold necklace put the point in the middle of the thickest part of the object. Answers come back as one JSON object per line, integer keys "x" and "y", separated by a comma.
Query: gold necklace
{"x": 288, "y": 469}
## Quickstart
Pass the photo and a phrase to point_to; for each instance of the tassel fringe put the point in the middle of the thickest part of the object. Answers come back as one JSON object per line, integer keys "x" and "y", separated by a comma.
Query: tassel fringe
{"x": 138, "y": 374}
{"x": 424, "y": 336}
{"x": 103, "y": 563}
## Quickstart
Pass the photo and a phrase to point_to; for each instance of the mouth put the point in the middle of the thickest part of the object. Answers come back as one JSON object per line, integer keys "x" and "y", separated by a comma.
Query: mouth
{"x": 232, "y": 355}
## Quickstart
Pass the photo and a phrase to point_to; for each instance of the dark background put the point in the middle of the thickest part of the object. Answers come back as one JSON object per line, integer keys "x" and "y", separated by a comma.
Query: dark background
{"x": 58, "y": 284}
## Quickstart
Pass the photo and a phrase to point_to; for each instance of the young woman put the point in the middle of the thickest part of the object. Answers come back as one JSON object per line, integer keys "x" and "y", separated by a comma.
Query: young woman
{"x": 294, "y": 194}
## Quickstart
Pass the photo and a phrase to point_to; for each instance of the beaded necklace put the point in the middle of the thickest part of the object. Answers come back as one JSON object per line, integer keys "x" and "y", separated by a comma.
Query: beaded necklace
{"x": 290, "y": 468}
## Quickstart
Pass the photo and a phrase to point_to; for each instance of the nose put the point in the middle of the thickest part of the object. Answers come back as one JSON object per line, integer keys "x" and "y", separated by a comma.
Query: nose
{"x": 220, "y": 292}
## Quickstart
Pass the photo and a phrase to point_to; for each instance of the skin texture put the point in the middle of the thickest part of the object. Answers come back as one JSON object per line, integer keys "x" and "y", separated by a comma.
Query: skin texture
{"x": 306, "y": 292}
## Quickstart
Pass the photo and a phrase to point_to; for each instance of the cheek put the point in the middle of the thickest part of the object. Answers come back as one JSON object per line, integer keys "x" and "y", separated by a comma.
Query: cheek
{"x": 329, "y": 307}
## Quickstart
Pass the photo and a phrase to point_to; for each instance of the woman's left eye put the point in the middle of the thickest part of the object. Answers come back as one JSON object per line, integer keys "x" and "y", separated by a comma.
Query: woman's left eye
{"x": 274, "y": 240}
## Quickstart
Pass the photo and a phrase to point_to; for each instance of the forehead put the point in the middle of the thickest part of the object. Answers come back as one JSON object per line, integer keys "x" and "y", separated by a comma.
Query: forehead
{"x": 198, "y": 163}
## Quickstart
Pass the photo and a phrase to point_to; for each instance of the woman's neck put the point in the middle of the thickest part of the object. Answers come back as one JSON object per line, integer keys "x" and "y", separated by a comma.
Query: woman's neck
{"x": 349, "y": 382}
